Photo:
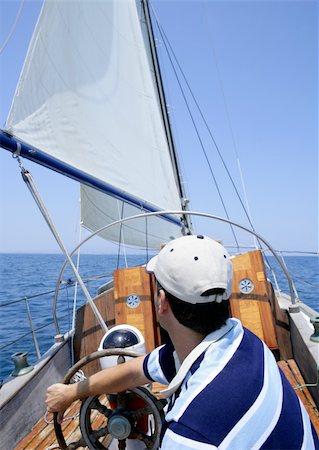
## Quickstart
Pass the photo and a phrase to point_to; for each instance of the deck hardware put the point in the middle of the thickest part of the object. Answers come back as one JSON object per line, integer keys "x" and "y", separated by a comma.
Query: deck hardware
{"x": 21, "y": 364}
{"x": 246, "y": 286}
{"x": 315, "y": 322}
{"x": 294, "y": 308}
{"x": 119, "y": 426}
{"x": 133, "y": 301}
{"x": 59, "y": 338}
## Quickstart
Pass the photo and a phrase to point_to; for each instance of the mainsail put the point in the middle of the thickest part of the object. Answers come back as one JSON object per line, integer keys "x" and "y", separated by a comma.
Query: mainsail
{"x": 87, "y": 97}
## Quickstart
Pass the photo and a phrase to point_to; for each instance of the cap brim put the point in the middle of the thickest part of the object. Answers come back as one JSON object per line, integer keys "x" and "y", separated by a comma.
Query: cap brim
{"x": 150, "y": 266}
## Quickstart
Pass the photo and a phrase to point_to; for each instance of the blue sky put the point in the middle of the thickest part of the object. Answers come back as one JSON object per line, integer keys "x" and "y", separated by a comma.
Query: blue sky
{"x": 253, "y": 67}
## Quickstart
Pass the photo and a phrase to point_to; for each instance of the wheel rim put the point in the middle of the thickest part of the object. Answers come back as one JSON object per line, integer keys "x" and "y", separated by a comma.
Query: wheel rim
{"x": 91, "y": 434}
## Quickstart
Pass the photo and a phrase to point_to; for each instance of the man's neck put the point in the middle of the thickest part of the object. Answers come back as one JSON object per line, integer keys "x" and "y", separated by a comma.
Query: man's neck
{"x": 184, "y": 340}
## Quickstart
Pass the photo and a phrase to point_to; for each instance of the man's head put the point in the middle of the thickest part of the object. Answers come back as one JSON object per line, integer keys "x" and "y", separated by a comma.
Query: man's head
{"x": 192, "y": 267}
{"x": 196, "y": 274}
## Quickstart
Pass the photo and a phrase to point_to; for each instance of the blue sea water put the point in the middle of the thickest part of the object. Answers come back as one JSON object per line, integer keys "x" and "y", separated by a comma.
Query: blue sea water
{"x": 25, "y": 277}
{"x": 28, "y": 282}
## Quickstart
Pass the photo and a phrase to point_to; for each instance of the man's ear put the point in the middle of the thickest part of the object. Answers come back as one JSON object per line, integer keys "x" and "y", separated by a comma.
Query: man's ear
{"x": 163, "y": 304}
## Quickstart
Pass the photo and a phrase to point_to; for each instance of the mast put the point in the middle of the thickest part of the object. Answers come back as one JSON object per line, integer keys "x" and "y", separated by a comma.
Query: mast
{"x": 171, "y": 145}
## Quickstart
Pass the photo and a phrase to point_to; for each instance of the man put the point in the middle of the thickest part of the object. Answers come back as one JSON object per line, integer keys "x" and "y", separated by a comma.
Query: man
{"x": 225, "y": 388}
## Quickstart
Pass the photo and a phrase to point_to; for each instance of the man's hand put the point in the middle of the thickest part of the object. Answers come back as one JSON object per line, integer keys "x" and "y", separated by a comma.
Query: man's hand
{"x": 59, "y": 398}
{"x": 115, "y": 379}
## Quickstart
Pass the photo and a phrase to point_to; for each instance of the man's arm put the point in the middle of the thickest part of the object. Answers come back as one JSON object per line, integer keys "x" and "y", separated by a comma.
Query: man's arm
{"x": 115, "y": 379}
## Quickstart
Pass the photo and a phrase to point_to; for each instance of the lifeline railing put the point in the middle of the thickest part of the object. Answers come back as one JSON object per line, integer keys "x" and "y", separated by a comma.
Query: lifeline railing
{"x": 28, "y": 325}
{"x": 32, "y": 329}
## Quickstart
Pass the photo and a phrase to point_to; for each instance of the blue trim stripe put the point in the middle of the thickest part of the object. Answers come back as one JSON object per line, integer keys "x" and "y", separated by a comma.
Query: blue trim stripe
{"x": 197, "y": 363}
{"x": 145, "y": 368}
{"x": 166, "y": 361}
{"x": 159, "y": 365}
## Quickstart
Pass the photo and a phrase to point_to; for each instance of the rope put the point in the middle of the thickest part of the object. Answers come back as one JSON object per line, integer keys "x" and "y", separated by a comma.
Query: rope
{"x": 301, "y": 386}
{"x": 15, "y": 23}
{"x": 65, "y": 419}
{"x": 27, "y": 178}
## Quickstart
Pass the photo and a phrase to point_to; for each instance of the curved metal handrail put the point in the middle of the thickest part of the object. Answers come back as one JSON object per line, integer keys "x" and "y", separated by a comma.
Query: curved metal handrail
{"x": 176, "y": 212}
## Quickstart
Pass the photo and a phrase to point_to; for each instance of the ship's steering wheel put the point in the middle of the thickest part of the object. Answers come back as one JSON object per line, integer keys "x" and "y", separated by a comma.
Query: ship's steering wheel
{"x": 134, "y": 414}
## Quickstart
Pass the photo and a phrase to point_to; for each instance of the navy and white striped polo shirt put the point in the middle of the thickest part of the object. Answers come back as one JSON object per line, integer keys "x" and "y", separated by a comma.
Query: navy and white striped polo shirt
{"x": 234, "y": 397}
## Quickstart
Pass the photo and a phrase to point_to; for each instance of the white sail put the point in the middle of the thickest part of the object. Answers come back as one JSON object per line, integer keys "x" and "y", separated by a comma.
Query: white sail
{"x": 98, "y": 209}
{"x": 87, "y": 97}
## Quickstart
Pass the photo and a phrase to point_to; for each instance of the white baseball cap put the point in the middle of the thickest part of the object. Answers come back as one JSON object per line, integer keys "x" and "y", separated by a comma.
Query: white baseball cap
{"x": 189, "y": 266}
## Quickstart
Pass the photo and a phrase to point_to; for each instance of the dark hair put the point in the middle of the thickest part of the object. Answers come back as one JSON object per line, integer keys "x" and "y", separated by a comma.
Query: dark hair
{"x": 201, "y": 317}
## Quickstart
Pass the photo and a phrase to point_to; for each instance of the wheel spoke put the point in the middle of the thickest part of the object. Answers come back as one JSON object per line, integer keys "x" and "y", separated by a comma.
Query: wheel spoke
{"x": 97, "y": 434}
{"x": 148, "y": 440}
{"x": 122, "y": 444}
{"x": 74, "y": 445}
{"x": 142, "y": 412}
{"x": 96, "y": 404}
{"x": 121, "y": 400}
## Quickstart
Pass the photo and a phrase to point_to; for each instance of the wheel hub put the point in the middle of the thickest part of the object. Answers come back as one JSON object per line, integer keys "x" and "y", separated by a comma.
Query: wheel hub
{"x": 119, "y": 426}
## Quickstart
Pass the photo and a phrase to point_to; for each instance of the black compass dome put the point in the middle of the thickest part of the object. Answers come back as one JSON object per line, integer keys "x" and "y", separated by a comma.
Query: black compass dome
{"x": 120, "y": 339}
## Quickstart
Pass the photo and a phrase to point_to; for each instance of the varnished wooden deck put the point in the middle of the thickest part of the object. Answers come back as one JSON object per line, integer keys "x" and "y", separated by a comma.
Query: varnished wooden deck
{"x": 295, "y": 378}
{"x": 42, "y": 436}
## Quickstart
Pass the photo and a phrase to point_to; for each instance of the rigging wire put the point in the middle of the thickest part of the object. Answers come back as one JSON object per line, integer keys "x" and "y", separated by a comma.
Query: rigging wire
{"x": 13, "y": 28}
{"x": 166, "y": 43}
{"x": 75, "y": 295}
{"x": 27, "y": 178}
{"x": 232, "y": 135}
{"x": 166, "y": 40}
{"x": 64, "y": 285}
{"x": 197, "y": 132}
{"x": 121, "y": 237}
{"x": 246, "y": 210}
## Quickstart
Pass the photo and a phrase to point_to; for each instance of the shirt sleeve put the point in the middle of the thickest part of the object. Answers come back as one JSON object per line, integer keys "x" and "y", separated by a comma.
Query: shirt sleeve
{"x": 159, "y": 365}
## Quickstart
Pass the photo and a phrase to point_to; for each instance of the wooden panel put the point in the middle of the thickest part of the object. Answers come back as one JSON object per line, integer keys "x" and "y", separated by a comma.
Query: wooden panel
{"x": 253, "y": 309}
{"x": 293, "y": 375}
{"x": 249, "y": 313}
{"x": 135, "y": 281}
{"x": 282, "y": 323}
{"x": 88, "y": 331}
